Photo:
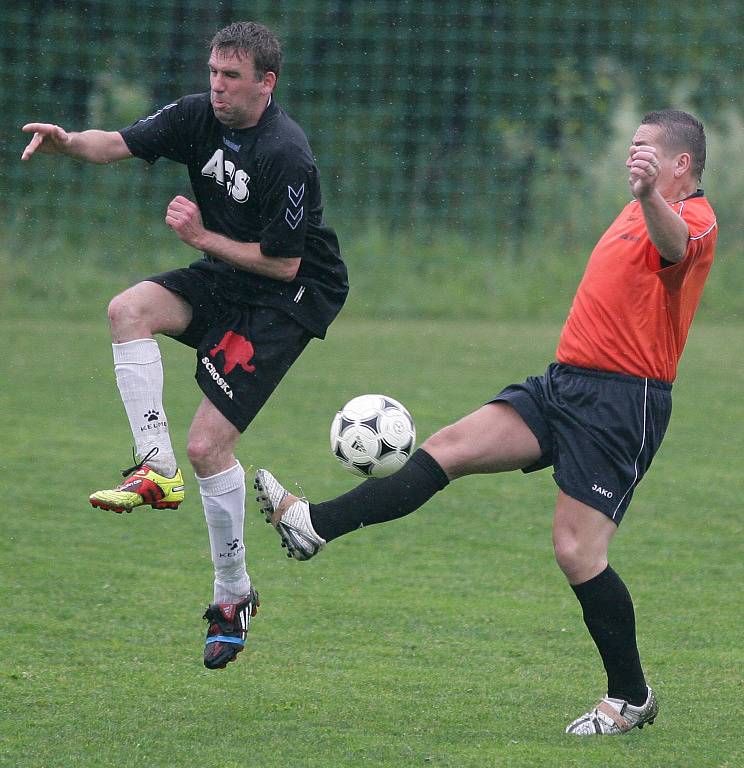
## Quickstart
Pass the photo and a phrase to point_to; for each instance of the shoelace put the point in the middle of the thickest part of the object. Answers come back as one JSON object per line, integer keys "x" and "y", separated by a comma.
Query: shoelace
{"x": 139, "y": 464}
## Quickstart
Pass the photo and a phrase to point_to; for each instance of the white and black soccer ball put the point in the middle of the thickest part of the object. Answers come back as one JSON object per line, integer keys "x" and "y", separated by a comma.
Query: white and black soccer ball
{"x": 373, "y": 435}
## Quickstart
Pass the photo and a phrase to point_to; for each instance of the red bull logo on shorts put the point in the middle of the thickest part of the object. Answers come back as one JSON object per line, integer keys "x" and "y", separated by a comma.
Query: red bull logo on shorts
{"x": 237, "y": 350}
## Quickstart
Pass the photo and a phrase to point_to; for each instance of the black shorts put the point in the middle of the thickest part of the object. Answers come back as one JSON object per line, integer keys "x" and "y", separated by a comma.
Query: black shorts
{"x": 598, "y": 430}
{"x": 242, "y": 351}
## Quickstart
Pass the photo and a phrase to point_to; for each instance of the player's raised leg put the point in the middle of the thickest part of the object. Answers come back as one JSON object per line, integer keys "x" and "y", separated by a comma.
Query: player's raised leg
{"x": 492, "y": 439}
{"x": 135, "y": 316}
{"x": 212, "y": 440}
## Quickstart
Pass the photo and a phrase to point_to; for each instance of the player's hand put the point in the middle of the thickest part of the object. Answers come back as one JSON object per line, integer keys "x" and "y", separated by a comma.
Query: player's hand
{"x": 184, "y": 218}
{"x": 644, "y": 170}
{"x": 47, "y": 138}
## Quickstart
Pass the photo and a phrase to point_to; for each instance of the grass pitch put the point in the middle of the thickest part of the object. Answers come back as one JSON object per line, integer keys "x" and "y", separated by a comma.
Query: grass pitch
{"x": 448, "y": 638}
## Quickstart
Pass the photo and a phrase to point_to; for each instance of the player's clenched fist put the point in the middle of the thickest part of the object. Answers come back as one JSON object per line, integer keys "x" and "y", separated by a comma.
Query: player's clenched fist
{"x": 644, "y": 166}
{"x": 47, "y": 138}
{"x": 184, "y": 218}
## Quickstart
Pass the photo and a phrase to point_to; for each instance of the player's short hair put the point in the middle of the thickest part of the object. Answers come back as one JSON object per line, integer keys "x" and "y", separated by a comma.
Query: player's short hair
{"x": 249, "y": 37}
{"x": 683, "y": 133}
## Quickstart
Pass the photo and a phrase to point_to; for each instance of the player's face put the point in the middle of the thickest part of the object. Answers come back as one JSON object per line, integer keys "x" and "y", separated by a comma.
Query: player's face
{"x": 238, "y": 99}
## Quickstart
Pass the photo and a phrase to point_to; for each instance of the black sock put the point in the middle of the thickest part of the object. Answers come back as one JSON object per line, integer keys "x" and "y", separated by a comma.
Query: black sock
{"x": 610, "y": 619}
{"x": 380, "y": 500}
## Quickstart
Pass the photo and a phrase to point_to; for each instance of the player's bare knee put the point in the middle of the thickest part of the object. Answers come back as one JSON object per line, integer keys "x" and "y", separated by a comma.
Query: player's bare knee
{"x": 447, "y": 446}
{"x": 578, "y": 560}
{"x": 200, "y": 450}
{"x": 125, "y": 311}
{"x": 567, "y": 552}
{"x": 117, "y": 309}
{"x": 208, "y": 456}
{"x": 437, "y": 440}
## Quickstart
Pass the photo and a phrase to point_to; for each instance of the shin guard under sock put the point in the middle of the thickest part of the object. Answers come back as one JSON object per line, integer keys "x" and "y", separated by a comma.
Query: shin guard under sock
{"x": 610, "y": 619}
{"x": 380, "y": 500}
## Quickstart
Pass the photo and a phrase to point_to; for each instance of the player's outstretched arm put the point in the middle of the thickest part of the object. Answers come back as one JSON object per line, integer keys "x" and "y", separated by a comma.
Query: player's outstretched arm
{"x": 93, "y": 146}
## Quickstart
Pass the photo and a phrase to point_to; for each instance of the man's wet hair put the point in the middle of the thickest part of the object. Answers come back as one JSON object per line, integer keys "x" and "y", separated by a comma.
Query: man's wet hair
{"x": 249, "y": 37}
{"x": 683, "y": 133}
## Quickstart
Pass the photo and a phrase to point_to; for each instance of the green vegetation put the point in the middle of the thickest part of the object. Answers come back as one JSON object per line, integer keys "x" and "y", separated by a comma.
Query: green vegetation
{"x": 470, "y": 152}
{"x": 77, "y": 252}
{"x": 467, "y": 116}
{"x": 403, "y": 276}
{"x": 448, "y": 638}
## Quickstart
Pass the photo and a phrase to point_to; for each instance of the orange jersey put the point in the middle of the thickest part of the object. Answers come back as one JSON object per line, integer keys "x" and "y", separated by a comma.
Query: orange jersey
{"x": 631, "y": 314}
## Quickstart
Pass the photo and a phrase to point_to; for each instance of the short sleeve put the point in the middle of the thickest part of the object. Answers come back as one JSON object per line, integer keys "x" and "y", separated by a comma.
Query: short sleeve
{"x": 159, "y": 135}
{"x": 288, "y": 179}
{"x": 701, "y": 222}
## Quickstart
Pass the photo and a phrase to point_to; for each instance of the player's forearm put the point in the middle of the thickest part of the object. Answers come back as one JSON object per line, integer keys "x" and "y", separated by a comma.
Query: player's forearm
{"x": 668, "y": 231}
{"x": 248, "y": 256}
{"x": 96, "y": 146}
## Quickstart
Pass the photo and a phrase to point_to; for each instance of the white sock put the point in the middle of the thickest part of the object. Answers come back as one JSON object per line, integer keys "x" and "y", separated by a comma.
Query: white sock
{"x": 223, "y": 497}
{"x": 139, "y": 376}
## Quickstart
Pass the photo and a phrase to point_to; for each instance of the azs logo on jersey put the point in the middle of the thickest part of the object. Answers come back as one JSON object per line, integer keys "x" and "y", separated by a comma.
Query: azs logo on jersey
{"x": 224, "y": 172}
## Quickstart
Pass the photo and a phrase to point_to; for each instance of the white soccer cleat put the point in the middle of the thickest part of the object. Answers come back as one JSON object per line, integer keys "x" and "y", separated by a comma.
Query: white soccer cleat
{"x": 292, "y": 522}
{"x": 612, "y": 717}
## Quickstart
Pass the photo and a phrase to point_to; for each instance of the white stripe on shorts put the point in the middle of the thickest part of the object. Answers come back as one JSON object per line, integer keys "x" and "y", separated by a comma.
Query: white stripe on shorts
{"x": 640, "y": 450}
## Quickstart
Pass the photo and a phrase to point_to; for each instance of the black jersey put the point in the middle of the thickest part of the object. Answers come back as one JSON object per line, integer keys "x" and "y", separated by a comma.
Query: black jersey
{"x": 254, "y": 185}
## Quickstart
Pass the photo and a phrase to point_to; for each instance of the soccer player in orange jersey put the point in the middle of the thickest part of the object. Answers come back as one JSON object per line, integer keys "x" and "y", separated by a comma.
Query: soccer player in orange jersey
{"x": 597, "y": 415}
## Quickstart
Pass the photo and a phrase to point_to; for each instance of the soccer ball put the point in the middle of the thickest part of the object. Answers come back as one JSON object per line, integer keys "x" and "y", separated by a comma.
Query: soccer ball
{"x": 372, "y": 435}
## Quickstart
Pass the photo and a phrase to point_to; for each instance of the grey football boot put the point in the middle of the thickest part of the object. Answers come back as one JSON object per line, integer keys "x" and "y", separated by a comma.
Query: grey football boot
{"x": 612, "y": 717}
{"x": 293, "y": 523}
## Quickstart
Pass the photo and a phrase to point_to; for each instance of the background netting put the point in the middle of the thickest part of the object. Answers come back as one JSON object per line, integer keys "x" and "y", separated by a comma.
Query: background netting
{"x": 467, "y": 116}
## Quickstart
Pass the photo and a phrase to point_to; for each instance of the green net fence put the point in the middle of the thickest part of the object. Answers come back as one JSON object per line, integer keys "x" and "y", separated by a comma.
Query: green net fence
{"x": 464, "y": 116}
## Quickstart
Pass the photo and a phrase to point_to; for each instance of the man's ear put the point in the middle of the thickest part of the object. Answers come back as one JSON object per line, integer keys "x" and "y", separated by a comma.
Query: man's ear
{"x": 268, "y": 83}
{"x": 682, "y": 165}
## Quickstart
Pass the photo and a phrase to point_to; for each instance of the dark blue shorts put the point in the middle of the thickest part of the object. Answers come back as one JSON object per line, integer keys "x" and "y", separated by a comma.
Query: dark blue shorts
{"x": 598, "y": 430}
{"x": 242, "y": 351}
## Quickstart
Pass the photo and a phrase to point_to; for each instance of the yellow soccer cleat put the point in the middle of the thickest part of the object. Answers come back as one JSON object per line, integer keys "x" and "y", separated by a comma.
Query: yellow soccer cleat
{"x": 145, "y": 486}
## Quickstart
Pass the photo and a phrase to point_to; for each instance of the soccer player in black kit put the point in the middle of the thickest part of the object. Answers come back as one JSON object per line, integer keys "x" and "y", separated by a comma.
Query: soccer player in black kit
{"x": 270, "y": 279}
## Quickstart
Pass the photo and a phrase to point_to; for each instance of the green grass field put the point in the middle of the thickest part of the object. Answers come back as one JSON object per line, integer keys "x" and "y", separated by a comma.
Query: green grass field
{"x": 448, "y": 638}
